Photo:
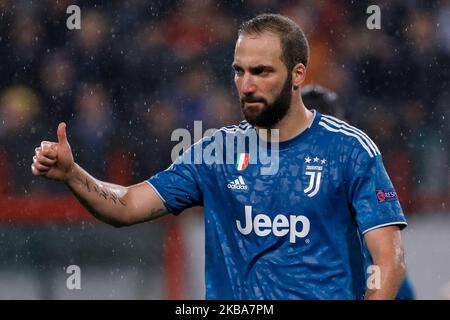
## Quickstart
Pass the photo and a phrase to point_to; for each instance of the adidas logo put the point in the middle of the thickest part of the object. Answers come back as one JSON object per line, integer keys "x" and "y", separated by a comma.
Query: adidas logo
{"x": 238, "y": 184}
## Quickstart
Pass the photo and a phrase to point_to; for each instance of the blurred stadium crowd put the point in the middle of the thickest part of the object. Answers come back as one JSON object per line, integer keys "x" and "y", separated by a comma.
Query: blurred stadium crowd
{"x": 139, "y": 69}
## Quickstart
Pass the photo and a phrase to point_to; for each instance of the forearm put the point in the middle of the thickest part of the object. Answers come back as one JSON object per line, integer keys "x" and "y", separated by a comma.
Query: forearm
{"x": 386, "y": 248}
{"x": 103, "y": 200}
{"x": 391, "y": 275}
{"x": 113, "y": 204}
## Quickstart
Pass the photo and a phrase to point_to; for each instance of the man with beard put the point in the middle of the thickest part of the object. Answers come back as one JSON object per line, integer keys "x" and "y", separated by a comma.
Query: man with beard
{"x": 299, "y": 232}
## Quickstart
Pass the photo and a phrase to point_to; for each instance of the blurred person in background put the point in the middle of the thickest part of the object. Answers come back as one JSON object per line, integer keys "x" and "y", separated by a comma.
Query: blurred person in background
{"x": 94, "y": 58}
{"x": 221, "y": 110}
{"x": 188, "y": 29}
{"x": 189, "y": 93}
{"x": 270, "y": 60}
{"x": 148, "y": 68}
{"x": 19, "y": 109}
{"x": 322, "y": 99}
{"x": 153, "y": 136}
{"x": 57, "y": 85}
{"x": 431, "y": 159}
{"x": 93, "y": 126}
{"x": 20, "y": 58}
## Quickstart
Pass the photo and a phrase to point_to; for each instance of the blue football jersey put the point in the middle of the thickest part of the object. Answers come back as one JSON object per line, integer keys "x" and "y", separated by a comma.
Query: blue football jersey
{"x": 296, "y": 233}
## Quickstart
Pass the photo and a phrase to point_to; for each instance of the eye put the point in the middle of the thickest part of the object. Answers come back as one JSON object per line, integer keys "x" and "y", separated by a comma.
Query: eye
{"x": 259, "y": 70}
{"x": 238, "y": 71}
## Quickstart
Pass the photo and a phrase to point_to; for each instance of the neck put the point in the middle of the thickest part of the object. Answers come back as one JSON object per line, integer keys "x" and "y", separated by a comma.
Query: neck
{"x": 297, "y": 119}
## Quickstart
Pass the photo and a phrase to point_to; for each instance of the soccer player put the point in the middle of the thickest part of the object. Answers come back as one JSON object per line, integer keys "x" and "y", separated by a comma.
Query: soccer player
{"x": 326, "y": 101}
{"x": 291, "y": 228}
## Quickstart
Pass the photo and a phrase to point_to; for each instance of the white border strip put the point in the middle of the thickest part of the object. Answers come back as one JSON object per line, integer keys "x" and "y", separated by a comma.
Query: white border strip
{"x": 340, "y": 123}
{"x": 235, "y": 129}
{"x": 370, "y": 143}
{"x": 153, "y": 187}
{"x": 323, "y": 124}
{"x": 384, "y": 225}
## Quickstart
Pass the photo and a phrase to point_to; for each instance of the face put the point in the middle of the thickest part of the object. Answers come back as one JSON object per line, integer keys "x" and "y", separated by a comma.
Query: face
{"x": 262, "y": 79}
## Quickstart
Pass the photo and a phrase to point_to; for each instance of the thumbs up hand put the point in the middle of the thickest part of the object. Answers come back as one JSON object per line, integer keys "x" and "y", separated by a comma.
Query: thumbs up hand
{"x": 54, "y": 160}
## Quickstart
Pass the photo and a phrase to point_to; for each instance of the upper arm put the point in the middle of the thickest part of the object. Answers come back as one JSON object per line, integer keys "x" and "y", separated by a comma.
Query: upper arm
{"x": 371, "y": 193}
{"x": 179, "y": 185}
{"x": 170, "y": 191}
{"x": 385, "y": 243}
{"x": 143, "y": 203}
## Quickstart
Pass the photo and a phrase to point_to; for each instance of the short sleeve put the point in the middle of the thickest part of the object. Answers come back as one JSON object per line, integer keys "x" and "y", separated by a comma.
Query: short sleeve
{"x": 178, "y": 185}
{"x": 372, "y": 193}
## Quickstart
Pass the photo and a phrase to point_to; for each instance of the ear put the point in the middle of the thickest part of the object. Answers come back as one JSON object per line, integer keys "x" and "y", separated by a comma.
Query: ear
{"x": 298, "y": 75}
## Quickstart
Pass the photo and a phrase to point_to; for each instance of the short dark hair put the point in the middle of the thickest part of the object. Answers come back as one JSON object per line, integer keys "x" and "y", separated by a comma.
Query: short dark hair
{"x": 323, "y": 100}
{"x": 294, "y": 45}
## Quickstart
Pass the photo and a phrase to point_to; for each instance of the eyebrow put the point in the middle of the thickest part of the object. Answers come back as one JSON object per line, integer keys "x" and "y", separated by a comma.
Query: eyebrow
{"x": 259, "y": 67}
{"x": 234, "y": 65}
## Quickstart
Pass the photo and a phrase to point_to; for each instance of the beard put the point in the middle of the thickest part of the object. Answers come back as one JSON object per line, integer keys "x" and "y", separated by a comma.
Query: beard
{"x": 268, "y": 115}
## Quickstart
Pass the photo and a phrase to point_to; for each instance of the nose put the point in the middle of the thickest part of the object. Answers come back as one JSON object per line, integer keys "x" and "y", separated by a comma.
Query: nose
{"x": 248, "y": 85}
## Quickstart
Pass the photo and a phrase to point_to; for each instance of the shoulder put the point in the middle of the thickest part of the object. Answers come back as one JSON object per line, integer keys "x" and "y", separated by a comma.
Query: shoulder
{"x": 240, "y": 128}
{"x": 218, "y": 136}
{"x": 347, "y": 136}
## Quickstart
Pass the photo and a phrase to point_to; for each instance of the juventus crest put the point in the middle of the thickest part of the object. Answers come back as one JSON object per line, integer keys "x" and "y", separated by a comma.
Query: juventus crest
{"x": 314, "y": 168}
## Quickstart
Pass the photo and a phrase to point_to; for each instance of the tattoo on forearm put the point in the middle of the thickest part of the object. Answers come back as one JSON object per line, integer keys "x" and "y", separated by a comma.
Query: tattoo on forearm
{"x": 101, "y": 192}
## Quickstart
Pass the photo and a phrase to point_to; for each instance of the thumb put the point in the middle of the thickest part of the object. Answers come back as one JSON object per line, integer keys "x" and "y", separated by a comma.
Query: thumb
{"x": 62, "y": 136}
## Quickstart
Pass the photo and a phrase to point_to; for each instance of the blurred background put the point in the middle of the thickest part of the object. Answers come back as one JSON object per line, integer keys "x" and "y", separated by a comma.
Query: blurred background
{"x": 139, "y": 69}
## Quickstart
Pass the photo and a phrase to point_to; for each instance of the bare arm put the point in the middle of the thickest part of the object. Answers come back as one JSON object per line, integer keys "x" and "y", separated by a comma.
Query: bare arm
{"x": 385, "y": 246}
{"x": 111, "y": 203}
{"x": 115, "y": 204}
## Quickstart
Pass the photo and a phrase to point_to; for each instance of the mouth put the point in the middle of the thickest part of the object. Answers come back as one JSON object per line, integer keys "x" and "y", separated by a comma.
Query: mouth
{"x": 252, "y": 104}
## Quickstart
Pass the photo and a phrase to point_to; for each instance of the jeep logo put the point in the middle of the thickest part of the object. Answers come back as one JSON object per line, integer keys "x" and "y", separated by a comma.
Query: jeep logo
{"x": 280, "y": 226}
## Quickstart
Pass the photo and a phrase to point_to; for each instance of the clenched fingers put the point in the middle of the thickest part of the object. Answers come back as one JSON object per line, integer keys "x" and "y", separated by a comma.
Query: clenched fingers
{"x": 44, "y": 158}
{"x": 38, "y": 166}
{"x": 48, "y": 149}
{"x": 42, "y": 164}
{"x": 36, "y": 172}
{"x": 41, "y": 159}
